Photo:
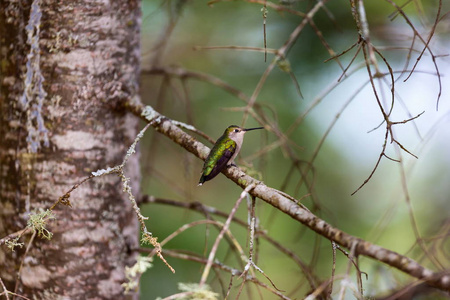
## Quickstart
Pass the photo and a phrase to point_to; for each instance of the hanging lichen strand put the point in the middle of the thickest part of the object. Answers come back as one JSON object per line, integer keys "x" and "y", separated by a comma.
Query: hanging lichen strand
{"x": 34, "y": 95}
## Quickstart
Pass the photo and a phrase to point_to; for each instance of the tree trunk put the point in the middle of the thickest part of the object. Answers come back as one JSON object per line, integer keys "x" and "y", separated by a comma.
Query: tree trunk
{"x": 64, "y": 66}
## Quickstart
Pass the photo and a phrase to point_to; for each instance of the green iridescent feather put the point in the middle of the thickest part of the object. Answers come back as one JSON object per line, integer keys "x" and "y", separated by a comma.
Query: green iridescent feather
{"x": 218, "y": 158}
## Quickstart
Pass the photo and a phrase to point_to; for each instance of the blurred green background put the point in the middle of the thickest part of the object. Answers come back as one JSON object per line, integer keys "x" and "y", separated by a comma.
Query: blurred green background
{"x": 172, "y": 31}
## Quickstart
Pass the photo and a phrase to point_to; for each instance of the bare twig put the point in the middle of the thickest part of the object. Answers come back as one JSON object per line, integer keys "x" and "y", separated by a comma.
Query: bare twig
{"x": 30, "y": 243}
{"x": 221, "y": 266}
{"x": 333, "y": 269}
{"x": 389, "y": 132}
{"x": 207, "y": 210}
{"x": 415, "y": 228}
{"x": 5, "y": 291}
{"x": 272, "y": 5}
{"x": 250, "y": 262}
{"x": 281, "y": 53}
{"x": 215, "y": 246}
{"x": 264, "y": 13}
{"x": 426, "y": 44}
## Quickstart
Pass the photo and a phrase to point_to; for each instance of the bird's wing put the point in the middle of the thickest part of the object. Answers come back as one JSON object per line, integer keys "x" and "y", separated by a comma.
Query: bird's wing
{"x": 214, "y": 166}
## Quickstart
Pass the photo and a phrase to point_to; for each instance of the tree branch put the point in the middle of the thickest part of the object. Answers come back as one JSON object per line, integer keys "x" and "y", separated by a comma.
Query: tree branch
{"x": 284, "y": 203}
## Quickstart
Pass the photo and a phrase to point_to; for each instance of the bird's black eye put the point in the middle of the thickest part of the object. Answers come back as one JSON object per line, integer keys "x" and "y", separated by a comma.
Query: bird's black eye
{"x": 236, "y": 130}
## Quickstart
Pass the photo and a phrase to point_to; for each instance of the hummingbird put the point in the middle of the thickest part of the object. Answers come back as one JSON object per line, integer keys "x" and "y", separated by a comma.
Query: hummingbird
{"x": 224, "y": 152}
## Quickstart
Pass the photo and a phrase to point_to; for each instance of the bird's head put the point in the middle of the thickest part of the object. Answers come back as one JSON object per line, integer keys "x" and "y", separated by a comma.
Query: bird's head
{"x": 236, "y": 133}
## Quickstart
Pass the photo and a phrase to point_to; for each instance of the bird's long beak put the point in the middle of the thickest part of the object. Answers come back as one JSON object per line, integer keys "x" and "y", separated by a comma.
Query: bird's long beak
{"x": 248, "y": 129}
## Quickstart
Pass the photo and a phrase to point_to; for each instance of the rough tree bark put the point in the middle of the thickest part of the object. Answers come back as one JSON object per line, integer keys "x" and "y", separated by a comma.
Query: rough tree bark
{"x": 64, "y": 66}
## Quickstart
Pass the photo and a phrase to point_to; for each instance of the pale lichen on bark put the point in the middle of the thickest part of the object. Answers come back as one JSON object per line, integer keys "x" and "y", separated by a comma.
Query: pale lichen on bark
{"x": 34, "y": 94}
